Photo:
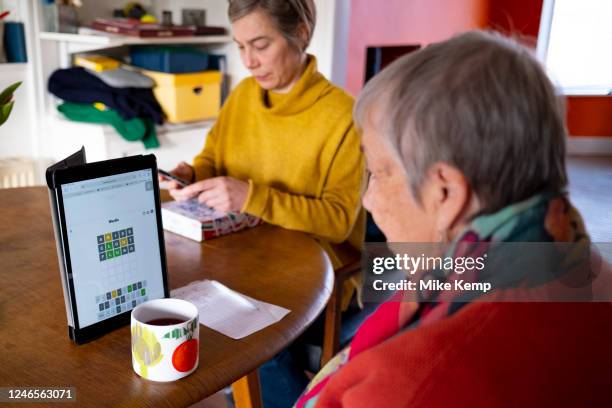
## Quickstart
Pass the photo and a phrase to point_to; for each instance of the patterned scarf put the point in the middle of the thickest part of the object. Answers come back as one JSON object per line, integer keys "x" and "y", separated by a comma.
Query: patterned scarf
{"x": 542, "y": 218}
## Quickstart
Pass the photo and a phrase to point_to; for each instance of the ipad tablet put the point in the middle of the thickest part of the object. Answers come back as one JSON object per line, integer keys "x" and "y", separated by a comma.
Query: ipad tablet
{"x": 110, "y": 240}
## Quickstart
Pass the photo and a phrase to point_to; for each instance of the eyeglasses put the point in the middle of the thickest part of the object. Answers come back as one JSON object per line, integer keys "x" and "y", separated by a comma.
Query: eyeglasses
{"x": 369, "y": 177}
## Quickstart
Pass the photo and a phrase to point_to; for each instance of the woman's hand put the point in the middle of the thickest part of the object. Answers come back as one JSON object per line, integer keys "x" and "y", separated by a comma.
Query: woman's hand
{"x": 225, "y": 194}
{"x": 184, "y": 171}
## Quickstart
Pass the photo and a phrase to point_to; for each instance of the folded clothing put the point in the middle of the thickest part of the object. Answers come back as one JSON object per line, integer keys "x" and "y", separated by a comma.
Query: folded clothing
{"x": 132, "y": 130}
{"x": 76, "y": 85}
{"x": 124, "y": 78}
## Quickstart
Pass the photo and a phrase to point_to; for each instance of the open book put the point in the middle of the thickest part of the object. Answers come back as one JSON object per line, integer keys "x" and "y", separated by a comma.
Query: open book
{"x": 199, "y": 222}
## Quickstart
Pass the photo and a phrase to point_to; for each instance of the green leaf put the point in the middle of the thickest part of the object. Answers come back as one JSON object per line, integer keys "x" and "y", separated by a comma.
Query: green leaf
{"x": 5, "y": 111}
{"x": 7, "y": 94}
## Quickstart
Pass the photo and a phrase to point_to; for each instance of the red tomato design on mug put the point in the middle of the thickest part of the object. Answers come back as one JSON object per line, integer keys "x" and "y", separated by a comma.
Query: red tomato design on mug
{"x": 185, "y": 355}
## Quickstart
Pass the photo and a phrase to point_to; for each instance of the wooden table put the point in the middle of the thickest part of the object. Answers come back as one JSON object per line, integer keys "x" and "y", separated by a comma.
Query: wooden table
{"x": 268, "y": 263}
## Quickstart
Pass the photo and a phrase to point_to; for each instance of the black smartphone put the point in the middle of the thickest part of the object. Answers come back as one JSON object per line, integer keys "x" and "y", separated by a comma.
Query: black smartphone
{"x": 171, "y": 176}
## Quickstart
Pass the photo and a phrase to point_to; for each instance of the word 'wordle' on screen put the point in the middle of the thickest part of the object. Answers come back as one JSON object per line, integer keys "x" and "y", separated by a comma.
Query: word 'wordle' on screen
{"x": 115, "y": 244}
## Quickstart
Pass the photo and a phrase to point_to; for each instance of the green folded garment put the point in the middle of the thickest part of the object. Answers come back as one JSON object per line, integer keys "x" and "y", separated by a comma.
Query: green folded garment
{"x": 131, "y": 130}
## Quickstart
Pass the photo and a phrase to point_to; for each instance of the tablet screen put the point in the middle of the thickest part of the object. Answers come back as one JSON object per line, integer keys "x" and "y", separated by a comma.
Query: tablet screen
{"x": 112, "y": 233}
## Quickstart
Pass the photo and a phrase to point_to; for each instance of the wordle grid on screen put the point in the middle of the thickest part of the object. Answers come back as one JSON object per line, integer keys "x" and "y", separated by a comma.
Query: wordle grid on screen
{"x": 115, "y": 244}
{"x": 121, "y": 299}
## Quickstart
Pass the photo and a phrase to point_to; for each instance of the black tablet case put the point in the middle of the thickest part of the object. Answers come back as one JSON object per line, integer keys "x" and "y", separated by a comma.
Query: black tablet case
{"x": 76, "y": 159}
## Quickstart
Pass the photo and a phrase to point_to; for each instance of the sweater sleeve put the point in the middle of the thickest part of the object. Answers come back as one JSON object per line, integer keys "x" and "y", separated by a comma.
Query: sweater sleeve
{"x": 330, "y": 216}
{"x": 204, "y": 162}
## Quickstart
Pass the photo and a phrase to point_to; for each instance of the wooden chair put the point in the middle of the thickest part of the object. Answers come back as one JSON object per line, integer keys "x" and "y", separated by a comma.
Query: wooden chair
{"x": 352, "y": 266}
{"x": 333, "y": 311}
{"x": 247, "y": 391}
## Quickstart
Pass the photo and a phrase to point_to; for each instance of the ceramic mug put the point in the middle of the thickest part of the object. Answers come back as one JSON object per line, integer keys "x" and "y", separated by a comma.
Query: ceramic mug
{"x": 165, "y": 339}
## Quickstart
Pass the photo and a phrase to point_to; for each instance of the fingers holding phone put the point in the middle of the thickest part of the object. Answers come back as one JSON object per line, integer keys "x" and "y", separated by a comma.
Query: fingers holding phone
{"x": 179, "y": 177}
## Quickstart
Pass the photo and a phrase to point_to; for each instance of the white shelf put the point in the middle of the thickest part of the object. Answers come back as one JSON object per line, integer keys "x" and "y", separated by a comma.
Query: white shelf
{"x": 166, "y": 128}
{"x": 102, "y": 142}
{"x": 203, "y": 125}
{"x": 110, "y": 40}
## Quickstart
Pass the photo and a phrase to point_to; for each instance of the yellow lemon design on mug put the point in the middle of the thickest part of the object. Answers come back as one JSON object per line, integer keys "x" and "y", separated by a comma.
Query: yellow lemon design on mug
{"x": 146, "y": 348}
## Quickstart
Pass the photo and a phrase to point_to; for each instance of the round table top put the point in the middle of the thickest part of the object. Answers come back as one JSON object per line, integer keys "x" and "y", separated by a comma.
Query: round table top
{"x": 278, "y": 266}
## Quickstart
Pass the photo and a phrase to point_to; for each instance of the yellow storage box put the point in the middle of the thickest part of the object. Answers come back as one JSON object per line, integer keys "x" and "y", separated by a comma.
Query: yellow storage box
{"x": 188, "y": 97}
{"x": 96, "y": 63}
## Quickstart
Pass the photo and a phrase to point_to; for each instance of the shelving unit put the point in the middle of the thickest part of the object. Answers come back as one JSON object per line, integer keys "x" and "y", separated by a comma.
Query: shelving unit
{"x": 178, "y": 141}
{"x": 92, "y": 40}
{"x": 37, "y": 130}
{"x": 110, "y": 40}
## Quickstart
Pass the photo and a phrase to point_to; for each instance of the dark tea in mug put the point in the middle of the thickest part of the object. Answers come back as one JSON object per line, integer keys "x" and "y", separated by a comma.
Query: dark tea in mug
{"x": 165, "y": 321}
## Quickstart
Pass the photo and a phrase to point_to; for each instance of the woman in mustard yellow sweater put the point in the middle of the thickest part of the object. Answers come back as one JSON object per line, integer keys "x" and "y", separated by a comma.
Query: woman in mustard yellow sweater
{"x": 284, "y": 147}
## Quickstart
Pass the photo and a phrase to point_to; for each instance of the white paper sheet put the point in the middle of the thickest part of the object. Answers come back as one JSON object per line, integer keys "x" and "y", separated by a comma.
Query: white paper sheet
{"x": 227, "y": 311}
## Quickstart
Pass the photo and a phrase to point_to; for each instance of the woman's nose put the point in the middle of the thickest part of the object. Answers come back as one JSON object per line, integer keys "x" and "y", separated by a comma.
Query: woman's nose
{"x": 249, "y": 59}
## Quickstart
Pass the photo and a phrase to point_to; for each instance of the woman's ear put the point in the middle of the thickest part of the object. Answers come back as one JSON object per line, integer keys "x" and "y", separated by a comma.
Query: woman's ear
{"x": 449, "y": 196}
{"x": 303, "y": 34}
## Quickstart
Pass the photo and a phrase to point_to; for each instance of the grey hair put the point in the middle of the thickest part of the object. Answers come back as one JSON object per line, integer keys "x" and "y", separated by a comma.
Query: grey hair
{"x": 480, "y": 102}
{"x": 287, "y": 15}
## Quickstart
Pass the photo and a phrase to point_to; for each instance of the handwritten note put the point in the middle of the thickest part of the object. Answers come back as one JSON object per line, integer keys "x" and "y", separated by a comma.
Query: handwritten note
{"x": 227, "y": 311}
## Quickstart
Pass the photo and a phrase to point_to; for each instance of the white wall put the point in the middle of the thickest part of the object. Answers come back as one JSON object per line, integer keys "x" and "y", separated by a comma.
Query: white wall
{"x": 17, "y": 135}
{"x": 340, "y": 42}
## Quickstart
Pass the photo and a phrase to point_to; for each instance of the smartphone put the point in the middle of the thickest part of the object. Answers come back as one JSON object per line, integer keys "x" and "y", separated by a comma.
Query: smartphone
{"x": 171, "y": 176}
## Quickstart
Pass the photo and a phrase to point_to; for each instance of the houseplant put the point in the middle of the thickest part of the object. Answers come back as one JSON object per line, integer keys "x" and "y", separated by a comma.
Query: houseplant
{"x": 6, "y": 102}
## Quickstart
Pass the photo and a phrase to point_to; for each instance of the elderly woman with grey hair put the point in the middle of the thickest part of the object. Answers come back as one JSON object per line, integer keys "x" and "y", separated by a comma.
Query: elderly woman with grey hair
{"x": 465, "y": 143}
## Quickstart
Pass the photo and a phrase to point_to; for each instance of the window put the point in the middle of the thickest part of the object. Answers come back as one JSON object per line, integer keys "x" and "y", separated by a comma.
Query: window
{"x": 575, "y": 44}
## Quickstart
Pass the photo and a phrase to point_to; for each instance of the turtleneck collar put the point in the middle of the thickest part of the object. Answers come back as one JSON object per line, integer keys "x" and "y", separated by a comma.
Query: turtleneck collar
{"x": 306, "y": 91}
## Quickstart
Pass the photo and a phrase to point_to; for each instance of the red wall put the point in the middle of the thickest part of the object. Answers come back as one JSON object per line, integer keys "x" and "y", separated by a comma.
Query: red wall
{"x": 589, "y": 116}
{"x": 400, "y": 22}
{"x": 515, "y": 16}
{"x": 586, "y": 115}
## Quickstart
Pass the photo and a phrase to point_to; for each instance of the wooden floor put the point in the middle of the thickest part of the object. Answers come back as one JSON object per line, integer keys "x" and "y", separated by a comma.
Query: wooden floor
{"x": 590, "y": 187}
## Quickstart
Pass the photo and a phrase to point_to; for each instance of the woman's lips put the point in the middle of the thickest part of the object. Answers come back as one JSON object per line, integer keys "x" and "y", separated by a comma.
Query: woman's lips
{"x": 261, "y": 77}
